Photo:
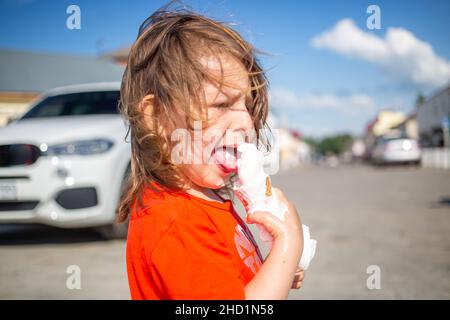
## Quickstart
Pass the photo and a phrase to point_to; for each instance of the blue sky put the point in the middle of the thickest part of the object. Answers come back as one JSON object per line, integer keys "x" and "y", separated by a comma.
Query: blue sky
{"x": 328, "y": 72}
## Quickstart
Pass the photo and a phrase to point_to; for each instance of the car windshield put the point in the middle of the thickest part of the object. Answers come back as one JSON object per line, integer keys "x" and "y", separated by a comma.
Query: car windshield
{"x": 74, "y": 104}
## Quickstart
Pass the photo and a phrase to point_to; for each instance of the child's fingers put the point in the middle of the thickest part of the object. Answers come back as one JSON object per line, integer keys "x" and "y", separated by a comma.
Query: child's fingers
{"x": 262, "y": 217}
{"x": 300, "y": 274}
{"x": 298, "y": 279}
{"x": 297, "y": 285}
{"x": 271, "y": 223}
{"x": 267, "y": 219}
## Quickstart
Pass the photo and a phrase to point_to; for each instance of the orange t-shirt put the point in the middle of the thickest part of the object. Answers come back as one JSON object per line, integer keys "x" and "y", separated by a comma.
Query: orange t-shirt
{"x": 183, "y": 247}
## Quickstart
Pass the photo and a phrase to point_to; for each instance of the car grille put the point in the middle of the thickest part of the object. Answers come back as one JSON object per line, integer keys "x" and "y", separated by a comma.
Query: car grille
{"x": 18, "y": 155}
{"x": 18, "y": 205}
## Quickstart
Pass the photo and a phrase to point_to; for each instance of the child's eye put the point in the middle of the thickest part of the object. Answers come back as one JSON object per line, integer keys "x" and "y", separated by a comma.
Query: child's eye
{"x": 221, "y": 106}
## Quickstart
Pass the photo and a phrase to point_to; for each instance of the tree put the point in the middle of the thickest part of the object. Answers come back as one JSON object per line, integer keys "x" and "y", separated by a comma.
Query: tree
{"x": 420, "y": 99}
{"x": 335, "y": 144}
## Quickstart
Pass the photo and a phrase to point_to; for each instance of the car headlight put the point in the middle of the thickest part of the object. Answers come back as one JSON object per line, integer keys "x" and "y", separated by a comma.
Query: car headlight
{"x": 83, "y": 148}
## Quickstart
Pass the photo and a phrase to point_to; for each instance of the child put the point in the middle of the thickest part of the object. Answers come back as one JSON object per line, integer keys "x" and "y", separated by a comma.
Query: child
{"x": 191, "y": 77}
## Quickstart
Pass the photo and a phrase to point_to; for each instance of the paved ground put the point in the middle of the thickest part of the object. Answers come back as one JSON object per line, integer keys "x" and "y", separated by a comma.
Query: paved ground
{"x": 397, "y": 218}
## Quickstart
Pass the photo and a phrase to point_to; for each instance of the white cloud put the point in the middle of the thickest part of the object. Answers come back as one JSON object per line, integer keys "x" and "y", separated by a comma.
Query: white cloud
{"x": 353, "y": 103}
{"x": 399, "y": 52}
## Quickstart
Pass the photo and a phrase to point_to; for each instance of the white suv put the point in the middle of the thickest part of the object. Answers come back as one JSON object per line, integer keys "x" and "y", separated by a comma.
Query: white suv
{"x": 63, "y": 163}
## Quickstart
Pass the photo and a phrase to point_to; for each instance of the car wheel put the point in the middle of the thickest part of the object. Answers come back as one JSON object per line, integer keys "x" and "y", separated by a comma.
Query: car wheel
{"x": 416, "y": 163}
{"x": 116, "y": 230}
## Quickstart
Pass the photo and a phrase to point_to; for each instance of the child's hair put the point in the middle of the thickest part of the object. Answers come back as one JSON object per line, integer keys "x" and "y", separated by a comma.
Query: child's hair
{"x": 164, "y": 62}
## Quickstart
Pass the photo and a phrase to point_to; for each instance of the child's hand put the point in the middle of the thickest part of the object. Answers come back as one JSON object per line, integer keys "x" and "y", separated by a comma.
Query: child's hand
{"x": 298, "y": 280}
{"x": 289, "y": 231}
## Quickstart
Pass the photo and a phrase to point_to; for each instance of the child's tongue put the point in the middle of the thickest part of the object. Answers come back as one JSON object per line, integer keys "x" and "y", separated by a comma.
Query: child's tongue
{"x": 226, "y": 158}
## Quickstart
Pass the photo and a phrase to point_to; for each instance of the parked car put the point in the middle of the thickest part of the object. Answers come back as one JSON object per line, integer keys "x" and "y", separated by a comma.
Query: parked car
{"x": 63, "y": 163}
{"x": 396, "y": 150}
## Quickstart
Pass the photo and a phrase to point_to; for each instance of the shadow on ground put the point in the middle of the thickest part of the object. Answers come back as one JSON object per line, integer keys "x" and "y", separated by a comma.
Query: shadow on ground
{"x": 38, "y": 235}
{"x": 445, "y": 201}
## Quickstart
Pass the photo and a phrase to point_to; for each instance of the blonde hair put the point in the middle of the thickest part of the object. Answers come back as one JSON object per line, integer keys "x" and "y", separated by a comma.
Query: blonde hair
{"x": 164, "y": 62}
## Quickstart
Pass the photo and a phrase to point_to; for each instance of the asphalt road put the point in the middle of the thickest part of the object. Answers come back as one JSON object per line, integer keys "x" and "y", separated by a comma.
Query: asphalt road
{"x": 396, "y": 218}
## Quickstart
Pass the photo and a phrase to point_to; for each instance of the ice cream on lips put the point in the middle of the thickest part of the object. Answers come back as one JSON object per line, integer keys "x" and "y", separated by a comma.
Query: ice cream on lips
{"x": 226, "y": 158}
{"x": 253, "y": 187}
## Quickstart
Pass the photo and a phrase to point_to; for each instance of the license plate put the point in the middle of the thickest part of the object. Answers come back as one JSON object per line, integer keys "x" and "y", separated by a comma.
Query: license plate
{"x": 8, "y": 190}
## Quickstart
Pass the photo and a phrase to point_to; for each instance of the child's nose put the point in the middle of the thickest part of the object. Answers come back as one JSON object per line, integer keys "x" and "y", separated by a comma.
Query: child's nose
{"x": 240, "y": 128}
{"x": 241, "y": 119}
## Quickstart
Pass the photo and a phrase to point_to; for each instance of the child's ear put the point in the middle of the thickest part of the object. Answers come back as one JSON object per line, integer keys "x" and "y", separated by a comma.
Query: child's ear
{"x": 146, "y": 107}
{"x": 146, "y": 104}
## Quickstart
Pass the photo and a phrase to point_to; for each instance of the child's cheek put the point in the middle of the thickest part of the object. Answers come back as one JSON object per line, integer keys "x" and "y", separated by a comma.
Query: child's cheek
{"x": 211, "y": 178}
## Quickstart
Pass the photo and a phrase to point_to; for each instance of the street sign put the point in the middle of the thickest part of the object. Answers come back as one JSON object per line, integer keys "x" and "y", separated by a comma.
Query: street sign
{"x": 445, "y": 123}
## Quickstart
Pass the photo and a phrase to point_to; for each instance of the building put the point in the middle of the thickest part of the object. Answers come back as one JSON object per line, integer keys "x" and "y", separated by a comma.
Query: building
{"x": 430, "y": 115}
{"x": 288, "y": 149}
{"x": 382, "y": 125}
{"x": 25, "y": 75}
{"x": 409, "y": 127}
{"x": 119, "y": 56}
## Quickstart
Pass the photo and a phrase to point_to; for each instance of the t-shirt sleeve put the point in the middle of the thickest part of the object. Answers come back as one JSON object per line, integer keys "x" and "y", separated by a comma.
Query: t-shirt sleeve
{"x": 191, "y": 261}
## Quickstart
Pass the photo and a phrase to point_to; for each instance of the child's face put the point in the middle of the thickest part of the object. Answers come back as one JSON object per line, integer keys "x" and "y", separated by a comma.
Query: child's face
{"x": 229, "y": 124}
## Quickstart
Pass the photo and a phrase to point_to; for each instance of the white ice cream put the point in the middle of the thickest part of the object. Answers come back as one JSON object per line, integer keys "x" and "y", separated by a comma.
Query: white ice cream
{"x": 250, "y": 187}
